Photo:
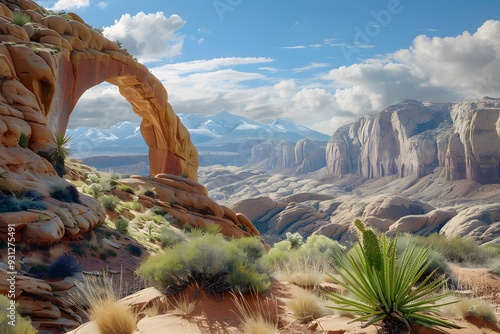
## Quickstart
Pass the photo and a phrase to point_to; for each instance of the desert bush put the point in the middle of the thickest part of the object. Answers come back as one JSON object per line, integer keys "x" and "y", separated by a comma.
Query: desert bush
{"x": 150, "y": 193}
{"x": 136, "y": 206}
{"x": 495, "y": 268}
{"x": 66, "y": 194}
{"x": 31, "y": 194}
{"x": 13, "y": 204}
{"x": 477, "y": 308}
{"x": 22, "y": 325}
{"x": 134, "y": 250}
{"x": 112, "y": 317}
{"x": 169, "y": 237}
{"x": 125, "y": 188}
{"x": 77, "y": 249}
{"x": 121, "y": 225}
{"x": 157, "y": 219}
{"x": 384, "y": 286}
{"x": 158, "y": 211}
{"x": 92, "y": 178}
{"x": 109, "y": 201}
{"x": 304, "y": 265}
{"x": 456, "y": 249}
{"x": 64, "y": 266}
{"x": 213, "y": 262}
{"x": 212, "y": 228}
{"x": 295, "y": 240}
{"x": 23, "y": 138}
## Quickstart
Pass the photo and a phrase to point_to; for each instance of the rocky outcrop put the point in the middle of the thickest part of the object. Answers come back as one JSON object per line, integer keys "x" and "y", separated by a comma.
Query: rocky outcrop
{"x": 302, "y": 157}
{"x": 188, "y": 202}
{"x": 413, "y": 138}
{"x": 45, "y": 67}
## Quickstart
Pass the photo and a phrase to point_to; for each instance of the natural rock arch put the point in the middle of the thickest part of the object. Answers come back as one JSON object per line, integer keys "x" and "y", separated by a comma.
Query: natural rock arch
{"x": 57, "y": 60}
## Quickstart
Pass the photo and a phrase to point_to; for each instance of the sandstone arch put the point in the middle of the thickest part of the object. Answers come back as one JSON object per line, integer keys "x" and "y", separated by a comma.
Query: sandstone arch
{"x": 54, "y": 61}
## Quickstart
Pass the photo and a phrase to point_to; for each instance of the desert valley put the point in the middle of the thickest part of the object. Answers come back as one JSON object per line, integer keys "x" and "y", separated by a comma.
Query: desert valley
{"x": 193, "y": 223}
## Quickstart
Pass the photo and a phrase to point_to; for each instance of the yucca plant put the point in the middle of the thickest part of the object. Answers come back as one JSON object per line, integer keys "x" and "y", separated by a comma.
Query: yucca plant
{"x": 60, "y": 152}
{"x": 386, "y": 288}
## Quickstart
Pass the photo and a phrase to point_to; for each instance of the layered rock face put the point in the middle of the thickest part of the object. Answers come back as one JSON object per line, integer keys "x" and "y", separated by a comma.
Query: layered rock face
{"x": 301, "y": 158}
{"x": 413, "y": 138}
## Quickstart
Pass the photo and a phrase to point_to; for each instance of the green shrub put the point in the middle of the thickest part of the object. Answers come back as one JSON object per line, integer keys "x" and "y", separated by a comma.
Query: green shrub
{"x": 150, "y": 193}
{"x": 23, "y": 140}
{"x": 212, "y": 228}
{"x": 13, "y": 204}
{"x": 158, "y": 211}
{"x": 22, "y": 325}
{"x": 121, "y": 225}
{"x": 92, "y": 178}
{"x": 109, "y": 201}
{"x": 168, "y": 237}
{"x": 66, "y": 194}
{"x": 125, "y": 188}
{"x": 384, "y": 286}
{"x": 295, "y": 240}
{"x": 495, "y": 268}
{"x": 134, "y": 250}
{"x": 456, "y": 249}
{"x": 65, "y": 265}
{"x": 20, "y": 18}
{"x": 210, "y": 260}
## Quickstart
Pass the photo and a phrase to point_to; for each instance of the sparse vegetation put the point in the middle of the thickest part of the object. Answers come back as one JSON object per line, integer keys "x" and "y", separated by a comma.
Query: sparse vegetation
{"x": 23, "y": 140}
{"x": 183, "y": 306}
{"x": 213, "y": 262}
{"x": 109, "y": 201}
{"x": 66, "y": 194}
{"x": 98, "y": 297}
{"x": 384, "y": 287}
{"x": 477, "y": 308}
{"x": 20, "y": 18}
{"x": 125, "y": 188}
{"x": 22, "y": 325}
{"x": 60, "y": 153}
{"x": 306, "y": 307}
{"x": 258, "y": 318}
{"x": 134, "y": 250}
{"x": 121, "y": 225}
{"x": 456, "y": 249}
{"x": 65, "y": 265}
{"x": 13, "y": 204}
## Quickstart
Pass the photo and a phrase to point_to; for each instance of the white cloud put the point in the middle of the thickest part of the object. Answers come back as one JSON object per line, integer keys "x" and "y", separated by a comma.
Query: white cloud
{"x": 70, "y": 4}
{"x": 311, "y": 66}
{"x": 149, "y": 37}
{"x": 293, "y": 47}
{"x": 204, "y": 65}
{"x": 102, "y": 4}
{"x": 435, "y": 69}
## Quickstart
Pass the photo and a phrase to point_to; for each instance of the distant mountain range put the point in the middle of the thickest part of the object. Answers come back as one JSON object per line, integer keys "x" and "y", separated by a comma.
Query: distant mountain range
{"x": 223, "y": 138}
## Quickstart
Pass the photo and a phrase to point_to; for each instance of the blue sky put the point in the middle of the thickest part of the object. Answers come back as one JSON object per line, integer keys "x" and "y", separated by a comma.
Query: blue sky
{"x": 321, "y": 63}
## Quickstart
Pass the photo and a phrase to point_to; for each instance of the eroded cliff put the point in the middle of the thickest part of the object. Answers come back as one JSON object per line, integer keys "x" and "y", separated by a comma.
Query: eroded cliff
{"x": 413, "y": 138}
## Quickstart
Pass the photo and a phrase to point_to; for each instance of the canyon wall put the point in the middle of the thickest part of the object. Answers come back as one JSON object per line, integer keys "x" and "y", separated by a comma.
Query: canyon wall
{"x": 413, "y": 138}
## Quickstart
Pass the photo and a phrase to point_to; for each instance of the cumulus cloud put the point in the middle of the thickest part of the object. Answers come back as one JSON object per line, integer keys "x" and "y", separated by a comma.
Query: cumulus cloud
{"x": 436, "y": 69}
{"x": 148, "y": 37}
{"x": 70, "y": 4}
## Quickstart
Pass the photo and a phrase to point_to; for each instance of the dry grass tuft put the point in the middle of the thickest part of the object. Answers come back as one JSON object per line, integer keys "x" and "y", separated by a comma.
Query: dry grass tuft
{"x": 259, "y": 318}
{"x": 478, "y": 308}
{"x": 57, "y": 250}
{"x": 183, "y": 306}
{"x": 112, "y": 317}
{"x": 306, "y": 307}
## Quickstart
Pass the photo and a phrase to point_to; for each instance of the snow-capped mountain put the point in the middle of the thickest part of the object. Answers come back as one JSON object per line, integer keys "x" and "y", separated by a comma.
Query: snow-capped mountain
{"x": 224, "y": 138}
{"x": 221, "y": 132}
